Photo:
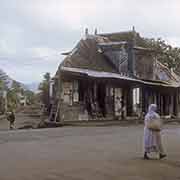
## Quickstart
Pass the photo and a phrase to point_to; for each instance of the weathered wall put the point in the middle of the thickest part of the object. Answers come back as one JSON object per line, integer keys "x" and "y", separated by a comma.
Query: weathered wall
{"x": 163, "y": 73}
{"x": 119, "y": 59}
{"x": 72, "y": 113}
{"x": 72, "y": 109}
{"x": 116, "y": 102}
{"x": 144, "y": 66}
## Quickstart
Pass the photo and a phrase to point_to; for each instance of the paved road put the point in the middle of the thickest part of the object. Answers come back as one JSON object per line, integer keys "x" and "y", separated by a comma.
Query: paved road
{"x": 84, "y": 153}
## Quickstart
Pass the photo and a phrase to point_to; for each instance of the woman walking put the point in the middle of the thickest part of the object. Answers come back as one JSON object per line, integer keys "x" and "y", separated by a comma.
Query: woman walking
{"x": 152, "y": 137}
{"x": 11, "y": 119}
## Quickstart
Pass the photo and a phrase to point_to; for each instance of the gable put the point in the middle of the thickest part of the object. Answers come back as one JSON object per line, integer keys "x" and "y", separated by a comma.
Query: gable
{"x": 163, "y": 73}
{"x": 144, "y": 65}
{"x": 87, "y": 56}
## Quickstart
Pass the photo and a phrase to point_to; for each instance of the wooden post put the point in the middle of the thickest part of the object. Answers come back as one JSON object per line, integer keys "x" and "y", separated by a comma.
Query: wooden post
{"x": 59, "y": 96}
{"x": 125, "y": 102}
{"x": 158, "y": 101}
{"x": 176, "y": 104}
{"x": 146, "y": 99}
{"x": 171, "y": 105}
{"x": 140, "y": 102}
{"x": 155, "y": 98}
{"x": 129, "y": 101}
{"x": 143, "y": 100}
{"x": 162, "y": 111}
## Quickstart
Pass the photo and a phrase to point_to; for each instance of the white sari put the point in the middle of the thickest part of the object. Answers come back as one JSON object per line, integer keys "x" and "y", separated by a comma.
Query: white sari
{"x": 152, "y": 139}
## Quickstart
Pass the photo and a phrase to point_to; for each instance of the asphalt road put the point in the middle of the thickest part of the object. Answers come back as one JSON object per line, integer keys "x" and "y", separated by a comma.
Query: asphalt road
{"x": 85, "y": 153}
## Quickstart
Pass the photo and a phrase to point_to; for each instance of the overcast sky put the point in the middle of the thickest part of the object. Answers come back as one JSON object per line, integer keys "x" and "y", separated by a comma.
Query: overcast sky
{"x": 33, "y": 33}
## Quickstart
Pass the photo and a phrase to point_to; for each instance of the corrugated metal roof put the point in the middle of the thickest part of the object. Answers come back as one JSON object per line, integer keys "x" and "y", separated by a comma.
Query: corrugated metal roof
{"x": 101, "y": 74}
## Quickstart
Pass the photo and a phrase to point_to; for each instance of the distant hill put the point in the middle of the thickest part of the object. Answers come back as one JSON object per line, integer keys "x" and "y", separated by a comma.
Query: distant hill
{"x": 8, "y": 81}
{"x": 33, "y": 86}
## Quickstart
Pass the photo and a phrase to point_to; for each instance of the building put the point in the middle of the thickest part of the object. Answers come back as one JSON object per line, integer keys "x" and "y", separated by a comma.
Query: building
{"x": 112, "y": 76}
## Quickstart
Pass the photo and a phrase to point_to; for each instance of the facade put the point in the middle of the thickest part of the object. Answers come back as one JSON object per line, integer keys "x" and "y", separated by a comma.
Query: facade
{"x": 112, "y": 76}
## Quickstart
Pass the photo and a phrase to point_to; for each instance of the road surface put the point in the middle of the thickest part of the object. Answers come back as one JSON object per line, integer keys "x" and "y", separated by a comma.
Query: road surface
{"x": 85, "y": 153}
{"x": 27, "y": 118}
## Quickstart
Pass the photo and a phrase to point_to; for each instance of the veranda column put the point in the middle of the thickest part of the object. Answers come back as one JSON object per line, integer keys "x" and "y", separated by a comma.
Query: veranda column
{"x": 176, "y": 104}
{"x": 59, "y": 96}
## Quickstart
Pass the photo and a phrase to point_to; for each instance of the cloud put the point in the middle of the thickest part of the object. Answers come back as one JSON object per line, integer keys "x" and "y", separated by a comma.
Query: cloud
{"x": 34, "y": 33}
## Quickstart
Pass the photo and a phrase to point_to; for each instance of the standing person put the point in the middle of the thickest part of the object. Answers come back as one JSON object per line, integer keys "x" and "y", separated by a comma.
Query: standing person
{"x": 152, "y": 138}
{"x": 11, "y": 119}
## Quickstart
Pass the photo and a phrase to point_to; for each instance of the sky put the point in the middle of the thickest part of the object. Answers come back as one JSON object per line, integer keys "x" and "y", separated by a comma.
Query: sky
{"x": 34, "y": 33}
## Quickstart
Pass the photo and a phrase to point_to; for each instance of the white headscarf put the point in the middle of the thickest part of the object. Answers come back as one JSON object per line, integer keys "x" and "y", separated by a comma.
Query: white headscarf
{"x": 152, "y": 108}
{"x": 151, "y": 112}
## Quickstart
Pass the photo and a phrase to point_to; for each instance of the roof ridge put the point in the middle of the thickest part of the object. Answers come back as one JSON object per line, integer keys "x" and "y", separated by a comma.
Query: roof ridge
{"x": 121, "y": 32}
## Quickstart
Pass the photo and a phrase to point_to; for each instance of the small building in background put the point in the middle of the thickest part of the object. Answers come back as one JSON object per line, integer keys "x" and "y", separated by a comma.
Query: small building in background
{"x": 22, "y": 99}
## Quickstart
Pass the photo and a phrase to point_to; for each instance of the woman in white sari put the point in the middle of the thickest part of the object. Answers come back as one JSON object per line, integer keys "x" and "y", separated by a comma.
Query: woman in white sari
{"x": 152, "y": 138}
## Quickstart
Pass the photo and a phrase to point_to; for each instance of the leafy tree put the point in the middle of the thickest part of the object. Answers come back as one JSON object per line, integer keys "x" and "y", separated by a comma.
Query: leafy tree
{"x": 12, "y": 99}
{"x": 31, "y": 99}
{"x": 2, "y": 101}
{"x": 166, "y": 54}
{"x": 2, "y": 85}
{"x": 47, "y": 77}
{"x": 44, "y": 88}
{"x": 13, "y": 95}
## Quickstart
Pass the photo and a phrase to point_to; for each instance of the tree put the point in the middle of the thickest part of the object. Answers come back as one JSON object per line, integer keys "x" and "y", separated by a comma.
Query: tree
{"x": 30, "y": 97}
{"x": 13, "y": 95}
{"x": 2, "y": 99}
{"x": 12, "y": 99}
{"x": 44, "y": 88}
{"x": 47, "y": 77}
{"x": 166, "y": 54}
{"x": 2, "y": 86}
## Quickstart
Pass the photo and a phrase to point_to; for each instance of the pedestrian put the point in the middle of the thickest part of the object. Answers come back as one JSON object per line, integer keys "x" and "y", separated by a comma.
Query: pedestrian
{"x": 11, "y": 119}
{"x": 152, "y": 137}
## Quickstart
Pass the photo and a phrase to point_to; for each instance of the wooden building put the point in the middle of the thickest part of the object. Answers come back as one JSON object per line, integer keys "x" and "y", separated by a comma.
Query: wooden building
{"x": 112, "y": 76}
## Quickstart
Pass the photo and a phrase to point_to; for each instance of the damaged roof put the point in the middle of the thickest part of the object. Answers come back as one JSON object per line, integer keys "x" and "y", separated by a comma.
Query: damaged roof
{"x": 126, "y": 36}
{"x": 97, "y": 74}
{"x": 87, "y": 54}
{"x": 163, "y": 73}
